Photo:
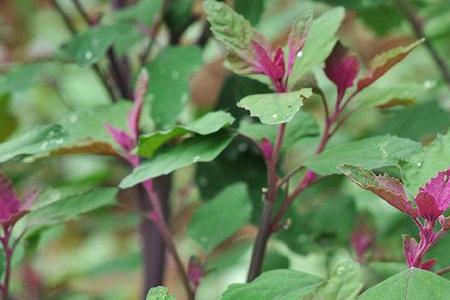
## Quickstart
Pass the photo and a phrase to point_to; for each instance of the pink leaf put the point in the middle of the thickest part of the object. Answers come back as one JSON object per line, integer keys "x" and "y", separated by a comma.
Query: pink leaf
{"x": 341, "y": 68}
{"x": 428, "y": 265}
{"x": 410, "y": 247}
{"x": 362, "y": 238}
{"x": 427, "y": 206}
{"x": 121, "y": 137}
{"x": 434, "y": 198}
{"x": 9, "y": 202}
{"x": 265, "y": 64}
{"x": 135, "y": 114}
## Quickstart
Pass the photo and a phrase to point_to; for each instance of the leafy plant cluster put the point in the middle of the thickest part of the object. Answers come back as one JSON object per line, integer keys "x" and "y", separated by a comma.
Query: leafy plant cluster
{"x": 176, "y": 193}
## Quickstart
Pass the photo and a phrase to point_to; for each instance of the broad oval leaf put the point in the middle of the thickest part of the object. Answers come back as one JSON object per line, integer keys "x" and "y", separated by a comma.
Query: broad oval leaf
{"x": 275, "y": 108}
{"x": 411, "y": 284}
{"x": 219, "y": 218}
{"x": 275, "y": 285}
{"x": 196, "y": 149}
{"x": 369, "y": 153}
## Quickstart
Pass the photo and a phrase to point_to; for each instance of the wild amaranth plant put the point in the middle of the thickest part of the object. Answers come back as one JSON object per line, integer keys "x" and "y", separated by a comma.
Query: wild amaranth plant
{"x": 431, "y": 202}
{"x": 250, "y": 54}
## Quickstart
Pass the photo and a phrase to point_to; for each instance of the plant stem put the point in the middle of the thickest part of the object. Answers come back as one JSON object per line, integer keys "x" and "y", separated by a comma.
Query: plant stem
{"x": 158, "y": 219}
{"x": 152, "y": 244}
{"x": 265, "y": 229}
{"x": 8, "y": 251}
{"x": 417, "y": 26}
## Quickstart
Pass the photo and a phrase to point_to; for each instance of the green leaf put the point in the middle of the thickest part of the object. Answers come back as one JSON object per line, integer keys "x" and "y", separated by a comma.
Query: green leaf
{"x": 422, "y": 166}
{"x": 411, "y": 284}
{"x": 8, "y": 121}
{"x": 301, "y": 126}
{"x": 275, "y": 108}
{"x": 319, "y": 43}
{"x": 196, "y": 149}
{"x": 221, "y": 217}
{"x": 20, "y": 78}
{"x": 69, "y": 207}
{"x": 251, "y": 10}
{"x": 179, "y": 15}
{"x": 369, "y": 153}
{"x": 159, "y": 293}
{"x": 274, "y": 285}
{"x": 91, "y": 45}
{"x": 383, "y": 62}
{"x": 73, "y": 135}
{"x": 42, "y": 138}
{"x": 393, "y": 95}
{"x": 235, "y": 32}
{"x": 274, "y": 260}
{"x": 169, "y": 82}
{"x": 343, "y": 283}
{"x": 144, "y": 11}
{"x": 207, "y": 124}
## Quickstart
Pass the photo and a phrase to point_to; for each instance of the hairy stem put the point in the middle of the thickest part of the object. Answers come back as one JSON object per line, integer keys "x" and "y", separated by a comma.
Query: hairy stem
{"x": 417, "y": 26}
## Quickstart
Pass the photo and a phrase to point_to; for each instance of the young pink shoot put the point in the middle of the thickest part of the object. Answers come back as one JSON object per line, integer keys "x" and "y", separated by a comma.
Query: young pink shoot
{"x": 432, "y": 201}
{"x": 11, "y": 210}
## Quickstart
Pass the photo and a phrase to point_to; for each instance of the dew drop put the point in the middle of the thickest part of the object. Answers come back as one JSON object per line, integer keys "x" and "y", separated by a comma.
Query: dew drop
{"x": 73, "y": 119}
{"x": 44, "y": 145}
{"x": 88, "y": 55}
{"x": 274, "y": 116}
{"x": 300, "y": 54}
{"x": 429, "y": 84}
{"x": 419, "y": 164}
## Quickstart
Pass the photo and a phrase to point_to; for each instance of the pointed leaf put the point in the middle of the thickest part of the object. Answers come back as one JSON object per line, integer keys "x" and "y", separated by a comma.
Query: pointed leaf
{"x": 275, "y": 108}
{"x": 384, "y": 62}
{"x": 393, "y": 95}
{"x": 387, "y": 188}
{"x": 235, "y": 32}
{"x": 69, "y": 207}
{"x": 196, "y": 149}
{"x": 319, "y": 43}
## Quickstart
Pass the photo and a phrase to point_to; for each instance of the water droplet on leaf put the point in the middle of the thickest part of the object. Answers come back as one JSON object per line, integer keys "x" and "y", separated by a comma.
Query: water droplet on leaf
{"x": 274, "y": 116}
{"x": 88, "y": 55}
{"x": 300, "y": 54}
